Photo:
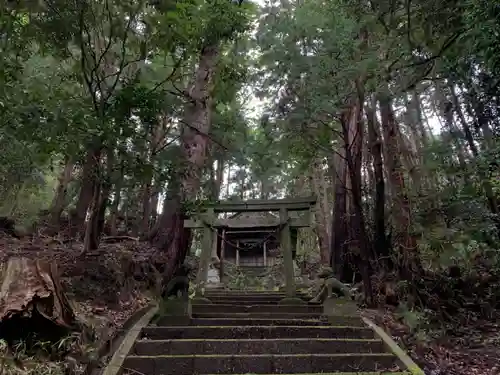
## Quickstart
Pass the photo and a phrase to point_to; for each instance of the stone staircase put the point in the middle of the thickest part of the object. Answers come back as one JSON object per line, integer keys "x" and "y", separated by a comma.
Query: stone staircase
{"x": 252, "y": 333}
{"x": 253, "y": 275}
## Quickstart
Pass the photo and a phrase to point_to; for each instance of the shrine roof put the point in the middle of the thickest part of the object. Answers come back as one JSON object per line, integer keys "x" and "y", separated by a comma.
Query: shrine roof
{"x": 252, "y": 220}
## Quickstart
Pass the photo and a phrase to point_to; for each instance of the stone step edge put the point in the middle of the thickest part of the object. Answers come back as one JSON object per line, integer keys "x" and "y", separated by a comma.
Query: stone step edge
{"x": 115, "y": 363}
{"x": 262, "y": 301}
{"x": 289, "y": 316}
{"x": 232, "y": 316}
{"x": 250, "y": 327}
{"x": 256, "y": 304}
{"x": 292, "y": 318}
{"x": 275, "y": 297}
{"x": 244, "y": 318}
{"x": 245, "y": 294}
{"x": 342, "y": 373}
{"x": 305, "y": 339}
{"x": 402, "y": 356}
{"x": 308, "y": 355}
{"x": 267, "y": 297}
{"x": 336, "y": 373}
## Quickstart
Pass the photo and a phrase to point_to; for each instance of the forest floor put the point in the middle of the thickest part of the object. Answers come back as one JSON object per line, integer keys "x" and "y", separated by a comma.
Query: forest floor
{"x": 107, "y": 286}
{"x": 473, "y": 349}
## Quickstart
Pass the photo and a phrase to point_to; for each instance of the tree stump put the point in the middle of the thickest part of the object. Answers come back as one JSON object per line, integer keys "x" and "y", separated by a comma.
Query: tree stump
{"x": 32, "y": 302}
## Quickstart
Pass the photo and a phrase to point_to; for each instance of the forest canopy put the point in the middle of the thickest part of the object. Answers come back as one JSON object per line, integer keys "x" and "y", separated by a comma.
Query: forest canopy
{"x": 123, "y": 118}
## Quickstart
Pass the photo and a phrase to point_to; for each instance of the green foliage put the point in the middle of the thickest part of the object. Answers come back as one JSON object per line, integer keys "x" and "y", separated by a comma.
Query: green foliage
{"x": 55, "y": 66}
{"x": 117, "y": 74}
{"x": 482, "y": 19}
{"x": 194, "y": 24}
{"x": 411, "y": 318}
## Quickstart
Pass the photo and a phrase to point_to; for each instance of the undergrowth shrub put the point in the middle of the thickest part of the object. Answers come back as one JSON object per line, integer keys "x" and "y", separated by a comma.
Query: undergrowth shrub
{"x": 44, "y": 358}
{"x": 460, "y": 253}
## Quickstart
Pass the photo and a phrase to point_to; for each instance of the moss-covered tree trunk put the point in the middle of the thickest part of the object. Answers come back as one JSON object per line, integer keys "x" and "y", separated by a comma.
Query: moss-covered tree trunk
{"x": 339, "y": 224}
{"x": 170, "y": 235}
{"x": 375, "y": 142}
{"x": 359, "y": 248}
{"x": 408, "y": 261}
{"x": 323, "y": 226}
{"x": 58, "y": 203}
{"x": 88, "y": 180}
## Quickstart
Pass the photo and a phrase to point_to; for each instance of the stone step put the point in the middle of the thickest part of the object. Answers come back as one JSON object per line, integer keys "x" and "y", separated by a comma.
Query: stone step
{"x": 264, "y": 315}
{"x": 254, "y": 270}
{"x": 252, "y": 298}
{"x": 259, "y": 346}
{"x": 258, "y": 364}
{"x": 257, "y": 293}
{"x": 277, "y": 319}
{"x": 250, "y": 321}
{"x": 255, "y": 332}
{"x": 249, "y": 300}
{"x": 348, "y": 373}
{"x": 168, "y": 321}
{"x": 229, "y": 309}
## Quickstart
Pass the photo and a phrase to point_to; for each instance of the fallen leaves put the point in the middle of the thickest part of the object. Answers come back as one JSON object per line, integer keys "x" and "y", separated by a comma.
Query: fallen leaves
{"x": 104, "y": 288}
{"x": 477, "y": 353}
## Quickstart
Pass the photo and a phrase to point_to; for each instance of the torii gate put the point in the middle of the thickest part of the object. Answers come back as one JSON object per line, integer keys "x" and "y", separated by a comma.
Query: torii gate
{"x": 208, "y": 222}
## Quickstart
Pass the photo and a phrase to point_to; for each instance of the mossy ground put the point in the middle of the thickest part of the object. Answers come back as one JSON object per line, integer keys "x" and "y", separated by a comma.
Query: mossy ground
{"x": 292, "y": 301}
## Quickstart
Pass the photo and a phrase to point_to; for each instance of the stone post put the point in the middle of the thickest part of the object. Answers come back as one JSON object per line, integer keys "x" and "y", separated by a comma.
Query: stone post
{"x": 206, "y": 253}
{"x": 237, "y": 253}
{"x": 265, "y": 253}
{"x": 222, "y": 255}
{"x": 286, "y": 247}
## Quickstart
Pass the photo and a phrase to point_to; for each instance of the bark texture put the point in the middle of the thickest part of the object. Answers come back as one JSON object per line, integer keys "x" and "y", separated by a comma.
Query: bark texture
{"x": 381, "y": 246}
{"x": 28, "y": 285}
{"x": 405, "y": 244}
{"x": 58, "y": 203}
{"x": 323, "y": 216}
{"x": 170, "y": 235}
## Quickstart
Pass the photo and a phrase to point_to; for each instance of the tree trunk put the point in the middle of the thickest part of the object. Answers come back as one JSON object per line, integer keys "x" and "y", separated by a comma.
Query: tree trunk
{"x": 101, "y": 192}
{"x": 216, "y": 176}
{"x": 421, "y": 136}
{"x": 481, "y": 116}
{"x": 107, "y": 186}
{"x": 88, "y": 181}
{"x": 339, "y": 225}
{"x": 415, "y": 106}
{"x": 408, "y": 260}
{"x": 411, "y": 162}
{"x": 446, "y": 111}
{"x": 157, "y": 142}
{"x": 32, "y": 301}
{"x": 158, "y": 188}
{"x": 172, "y": 238}
{"x": 197, "y": 121}
{"x": 113, "y": 215}
{"x": 169, "y": 235}
{"x": 323, "y": 226}
{"x": 488, "y": 189}
{"x": 91, "y": 238}
{"x": 346, "y": 236}
{"x": 146, "y": 191}
{"x": 359, "y": 242}
{"x": 59, "y": 201}
{"x": 381, "y": 246}
{"x": 219, "y": 176}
